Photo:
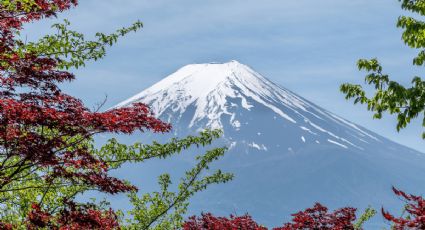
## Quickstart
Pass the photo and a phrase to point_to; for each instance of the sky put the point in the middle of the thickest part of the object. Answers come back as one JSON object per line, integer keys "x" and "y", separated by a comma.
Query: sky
{"x": 310, "y": 47}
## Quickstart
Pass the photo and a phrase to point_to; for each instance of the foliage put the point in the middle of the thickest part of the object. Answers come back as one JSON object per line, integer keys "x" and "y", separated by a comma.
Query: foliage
{"x": 367, "y": 215}
{"x": 415, "y": 212}
{"x": 150, "y": 210}
{"x": 43, "y": 131}
{"x": 390, "y": 96}
{"x": 71, "y": 47}
{"x": 319, "y": 218}
{"x": 406, "y": 102}
{"x": 209, "y": 222}
{"x": 47, "y": 156}
{"x": 86, "y": 216}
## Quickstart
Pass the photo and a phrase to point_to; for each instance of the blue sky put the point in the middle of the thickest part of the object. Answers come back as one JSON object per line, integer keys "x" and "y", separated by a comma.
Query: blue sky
{"x": 309, "y": 47}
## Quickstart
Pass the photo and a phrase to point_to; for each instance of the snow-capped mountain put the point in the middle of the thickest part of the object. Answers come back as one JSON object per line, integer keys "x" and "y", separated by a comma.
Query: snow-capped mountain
{"x": 286, "y": 152}
{"x": 229, "y": 96}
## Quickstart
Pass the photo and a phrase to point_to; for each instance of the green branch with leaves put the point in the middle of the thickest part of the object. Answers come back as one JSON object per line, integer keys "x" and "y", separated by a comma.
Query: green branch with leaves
{"x": 406, "y": 102}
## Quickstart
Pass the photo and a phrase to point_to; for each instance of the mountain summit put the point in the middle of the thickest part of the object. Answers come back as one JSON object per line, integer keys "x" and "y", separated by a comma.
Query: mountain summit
{"x": 216, "y": 95}
{"x": 286, "y": 152}
{"x": 207, "y": 87}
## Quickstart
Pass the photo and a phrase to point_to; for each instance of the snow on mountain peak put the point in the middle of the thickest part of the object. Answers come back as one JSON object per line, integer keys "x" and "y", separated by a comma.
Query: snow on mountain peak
{"x": 206, "y": 92}
{"x": 208, "y": 85}
{"x": 198, "y": 79}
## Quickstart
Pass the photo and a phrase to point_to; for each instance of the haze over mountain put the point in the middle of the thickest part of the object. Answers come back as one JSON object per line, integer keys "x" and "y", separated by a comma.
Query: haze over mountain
{"x": 286, "y": 152}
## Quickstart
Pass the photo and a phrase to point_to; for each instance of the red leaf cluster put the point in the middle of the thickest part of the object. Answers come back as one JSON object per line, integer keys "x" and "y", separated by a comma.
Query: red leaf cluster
{"x": 73, "y": 217}
{"x": 87, "y": 217}
{"x": 31, "y": 102}
{"x": 415, "y": 209}
{"x": 319, "y": 218}
{"x": 30, "y": 12}
{"x": 316, "y": 218}
{"x": 5, "y": 226}
{"x": 43, "y": 128}
{"x": 38, "y": 218}
{"x": 209, "y": 222}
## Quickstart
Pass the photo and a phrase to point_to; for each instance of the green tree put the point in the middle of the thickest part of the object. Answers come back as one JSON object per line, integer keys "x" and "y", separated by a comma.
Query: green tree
{"x": 406, "y": 102}
{"x": 40, "y": 181}
{"x": 164, "y": 209}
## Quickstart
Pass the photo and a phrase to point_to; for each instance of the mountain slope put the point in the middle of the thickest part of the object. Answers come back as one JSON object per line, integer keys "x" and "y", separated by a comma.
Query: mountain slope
{"x": 286, "y": 152}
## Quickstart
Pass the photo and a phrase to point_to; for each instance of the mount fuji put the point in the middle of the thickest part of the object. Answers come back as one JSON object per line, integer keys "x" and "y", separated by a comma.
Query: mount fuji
{"x": 286, "y": 152}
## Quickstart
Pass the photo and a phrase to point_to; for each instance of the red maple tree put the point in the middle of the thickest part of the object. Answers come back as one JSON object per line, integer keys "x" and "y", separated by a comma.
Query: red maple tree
{"x": 415, "y": 210}
{"x": 41, "y": 127}
{"x": 209, "y": 222}
{"x": 318, "y": 217}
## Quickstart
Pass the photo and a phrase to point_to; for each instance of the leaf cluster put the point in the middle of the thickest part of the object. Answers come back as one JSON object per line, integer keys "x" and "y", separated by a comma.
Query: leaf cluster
{"x": 406, "y": 102}
{"x": 71, "y": 48}
{"x": 150, "y": 210}
{"x": 163, "y": 209}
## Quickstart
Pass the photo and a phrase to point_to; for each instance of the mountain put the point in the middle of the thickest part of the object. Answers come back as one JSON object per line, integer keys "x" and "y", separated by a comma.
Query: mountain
{"x": 286, "y": 152}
